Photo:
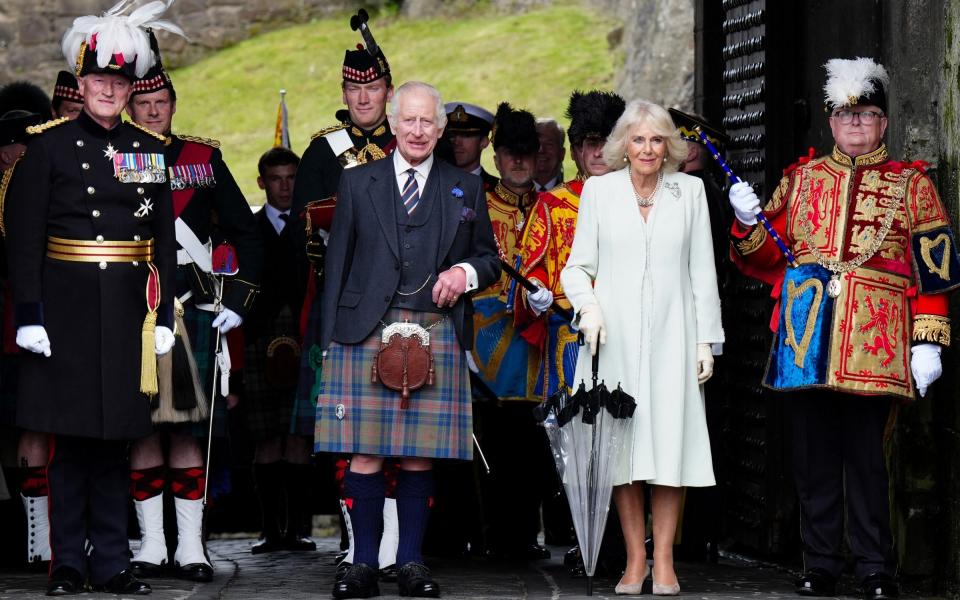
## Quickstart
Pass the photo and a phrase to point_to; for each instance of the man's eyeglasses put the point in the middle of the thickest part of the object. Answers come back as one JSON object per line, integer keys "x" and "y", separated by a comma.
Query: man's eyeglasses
{"x": 866, "y": 117}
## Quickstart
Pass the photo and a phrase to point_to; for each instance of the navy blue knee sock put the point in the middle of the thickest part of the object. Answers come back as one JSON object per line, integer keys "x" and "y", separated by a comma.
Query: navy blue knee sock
{"x": 364, "y": 495}
{"x": 414, "y": 499}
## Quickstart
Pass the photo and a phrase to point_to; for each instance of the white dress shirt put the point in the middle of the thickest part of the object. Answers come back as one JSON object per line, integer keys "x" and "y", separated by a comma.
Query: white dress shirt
{"x": 273, "y": 215}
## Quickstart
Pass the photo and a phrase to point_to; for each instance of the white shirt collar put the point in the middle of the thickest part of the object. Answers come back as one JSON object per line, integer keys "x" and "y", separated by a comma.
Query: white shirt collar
{"x": 401, "y": 165}
{"x": 477, "y": 171}
{"x": 273, "y": 215}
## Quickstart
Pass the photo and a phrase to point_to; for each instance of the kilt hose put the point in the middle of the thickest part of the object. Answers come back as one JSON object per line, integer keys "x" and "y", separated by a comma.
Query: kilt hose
{"x": 268, "y": 395}
{"x": 438, "y": 422}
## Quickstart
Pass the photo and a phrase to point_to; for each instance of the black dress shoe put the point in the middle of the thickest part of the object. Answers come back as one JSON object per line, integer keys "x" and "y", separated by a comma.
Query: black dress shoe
{"x": 146, "y": 570}
{"x": 267, "y": 544}
{"x": 360, "y": 581}
{"x": 340, "y": 557}
{"x": 201, "y": 572}
{"x": 817, "y": 582}
{"x": 414, "y": 579}
{"x": 296, "y": 543}
{"x": 124, "y": 582}
{"x": 342, "y": 569}
{"x": 536, "y": 552}
{"x": 389, "y": 574}
{"x": 571, "y": 557}
{"x": 65, "y": 581}
{"x": 879, "y": 586}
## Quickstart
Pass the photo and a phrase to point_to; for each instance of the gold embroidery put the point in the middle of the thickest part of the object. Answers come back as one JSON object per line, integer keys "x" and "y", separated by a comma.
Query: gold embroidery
{"x": 876, "y": 157}
{"x": 793, "y": 292}
{"x": 369, "y": 153}
{"x": 931, "y": 328}
{"x": 926, "y": 245}
{"x": 753, "y": 241}
{"x": 199, "y": 140}
{"x": 379, "y": 131}
{"x": 149, "y": 132}
{"x": 35, "y": 129}
{"x": 4, "y": 184}
{"x": 328, "y": 130}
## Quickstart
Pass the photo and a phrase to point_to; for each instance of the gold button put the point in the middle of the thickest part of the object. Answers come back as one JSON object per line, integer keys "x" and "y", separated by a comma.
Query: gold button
{"x": 136, "y": 238}
{"x": 103, "y": 265}
{"x": 96, "y": 213}
{"x": 99, "y": 239}
{"x": 91, "y": 190}
{"x": 79, "y": 143}
{"x": 86, "y": 166}
{"x": 140, "y": 190}
{"x": 136, "y": 144}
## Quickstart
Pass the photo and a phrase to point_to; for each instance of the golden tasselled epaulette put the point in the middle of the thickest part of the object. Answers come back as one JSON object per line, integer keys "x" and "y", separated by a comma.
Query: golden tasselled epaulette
{"x": 35, "y": 129}
{"x": 149, "y": 132}
{"x": 4, "y": 184}
{"x": 327, "y": 130}
{"x": 199, "y": 140}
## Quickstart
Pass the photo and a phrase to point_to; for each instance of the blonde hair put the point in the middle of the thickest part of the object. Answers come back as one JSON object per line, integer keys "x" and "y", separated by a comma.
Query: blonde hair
{"x": 643, "y": 112}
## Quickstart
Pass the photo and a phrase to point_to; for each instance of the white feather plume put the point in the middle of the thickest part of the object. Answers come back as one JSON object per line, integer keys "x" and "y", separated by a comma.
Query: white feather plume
{"x": 848, "y": 80}
{"x": 120, "y": 33}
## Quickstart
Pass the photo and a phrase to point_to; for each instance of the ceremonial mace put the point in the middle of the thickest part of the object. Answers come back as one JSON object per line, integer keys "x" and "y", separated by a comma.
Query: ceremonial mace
{"x": 734, "y": 179}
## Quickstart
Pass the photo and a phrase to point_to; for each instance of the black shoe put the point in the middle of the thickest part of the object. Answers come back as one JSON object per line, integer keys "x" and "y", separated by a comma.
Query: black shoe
{"x": 359, "y": 581}
{"x": 296, "y": 543}
{"x": 342, "y": 569}
{"x": 571, "y": 557}
{"x": 267, "y": 544}
{"x": 414, "y": 579}
{"x": 536, "y": 552}
{"x": 879, "y": 586}
{"x": 389, "y": 574}
{"x": 339, "y": 558}
{"x": 146, "y": 570}
{"x": 201, "y": 572}
{"x": 65, "y": 581}
{"x": 817, "y": 582}
{"x": 124, "y": 582}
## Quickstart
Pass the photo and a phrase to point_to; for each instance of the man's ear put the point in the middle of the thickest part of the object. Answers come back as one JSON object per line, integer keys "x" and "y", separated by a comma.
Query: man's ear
{"x": 260, "y": 183}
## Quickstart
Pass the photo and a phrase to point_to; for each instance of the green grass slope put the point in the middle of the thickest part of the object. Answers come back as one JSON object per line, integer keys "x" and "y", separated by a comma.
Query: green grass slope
{"x": 532, "y": 60}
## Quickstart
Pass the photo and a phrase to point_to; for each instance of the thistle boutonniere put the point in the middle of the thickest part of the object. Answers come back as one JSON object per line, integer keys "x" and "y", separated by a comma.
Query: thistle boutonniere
{"x": 456, "y": 192}
{"x": 467, "y": 214}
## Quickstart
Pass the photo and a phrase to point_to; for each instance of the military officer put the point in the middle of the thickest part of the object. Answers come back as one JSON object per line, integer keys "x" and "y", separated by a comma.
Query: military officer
{"x": 91, "y": 258}
{"x": 468, "y": 132}
{"x": 207, "y": 204}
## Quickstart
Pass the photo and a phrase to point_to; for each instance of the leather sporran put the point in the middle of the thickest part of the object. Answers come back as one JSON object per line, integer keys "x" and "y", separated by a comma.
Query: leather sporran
{"x": 404, "y": 362}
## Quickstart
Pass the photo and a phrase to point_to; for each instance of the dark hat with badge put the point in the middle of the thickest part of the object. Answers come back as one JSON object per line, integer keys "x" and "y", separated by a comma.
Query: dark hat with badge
{"x": 13, "y": 126}
{"x": 467, "y": 119}
{"x": 156, "y": 77}
{"x": 25, "y": 96}
{"x": 365, "y": 64}
{"x": 66, "y": 88}
{"x": 593, "y": 115}
{"x": 687, "y": 124}
{"x": 515, "y": 130}
{"x": 116, "y": 42}
{"x": 860, "y": 81}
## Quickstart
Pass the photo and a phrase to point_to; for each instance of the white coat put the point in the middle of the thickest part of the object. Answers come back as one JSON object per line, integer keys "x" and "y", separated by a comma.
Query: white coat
{"x": 656, "y": 285}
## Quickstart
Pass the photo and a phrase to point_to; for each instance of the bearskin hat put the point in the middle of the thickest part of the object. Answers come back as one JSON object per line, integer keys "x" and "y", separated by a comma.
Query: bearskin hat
{"x": 592, "y": 114}
{"x": 515, "y": 130}
{"x": 23, "y": 95}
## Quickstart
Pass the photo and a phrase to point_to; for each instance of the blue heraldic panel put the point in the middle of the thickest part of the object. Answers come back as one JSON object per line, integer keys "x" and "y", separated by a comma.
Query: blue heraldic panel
{"x": 935, "y": 260}
{"x": 801, "y": 350}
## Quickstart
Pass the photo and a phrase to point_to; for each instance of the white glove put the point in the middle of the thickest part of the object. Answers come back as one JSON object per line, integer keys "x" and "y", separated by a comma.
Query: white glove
{"x": 745, "y": 203}
{"x": 34, "y": 338}
{"x": 591, "y": 325}
{"x": 162, "y": 340}
{"x": 925, "y": 365}
{"x": 704, "y": 363}
{"x": 540, "y": 300}
{"x": 227, "y": 320}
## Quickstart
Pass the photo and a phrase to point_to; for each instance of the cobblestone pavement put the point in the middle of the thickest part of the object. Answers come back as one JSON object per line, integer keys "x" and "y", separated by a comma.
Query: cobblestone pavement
{"x": 296, "y": 576}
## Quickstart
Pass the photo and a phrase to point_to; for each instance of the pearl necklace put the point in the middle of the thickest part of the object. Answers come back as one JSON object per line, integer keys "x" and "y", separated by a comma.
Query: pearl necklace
{"x": 647, "y": 201}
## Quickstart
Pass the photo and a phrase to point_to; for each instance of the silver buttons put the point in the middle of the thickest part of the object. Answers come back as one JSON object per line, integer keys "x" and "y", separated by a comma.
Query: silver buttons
{"x": 140, "y": 190}
{"x": 136, "y": 144}
{"x": 95, "y": 213}
{"x": 91, "y": 190}
{"x": 136, "y": 238}
{"x": 99, "y": 239}
{"x": 135, "y": 263}
{"x": 103, "y": 265}
{"x": 79, "y": 143}
{"x": 85, "y": 166}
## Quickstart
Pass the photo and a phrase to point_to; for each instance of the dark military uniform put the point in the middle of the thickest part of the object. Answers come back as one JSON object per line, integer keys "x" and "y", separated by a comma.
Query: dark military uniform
{"x": 88, "y": 391}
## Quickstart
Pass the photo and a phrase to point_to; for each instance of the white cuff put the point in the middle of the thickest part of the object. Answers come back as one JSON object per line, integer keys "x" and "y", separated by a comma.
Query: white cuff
{"x": 472, "y": 282}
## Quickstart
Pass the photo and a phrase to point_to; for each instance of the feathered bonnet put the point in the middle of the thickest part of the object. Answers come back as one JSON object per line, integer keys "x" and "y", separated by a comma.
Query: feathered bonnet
{"x": 117, "y": 42}
{"x": 856, "y": 81}
{"x": 515, "y": 130}
{"x": 592, "y": 115}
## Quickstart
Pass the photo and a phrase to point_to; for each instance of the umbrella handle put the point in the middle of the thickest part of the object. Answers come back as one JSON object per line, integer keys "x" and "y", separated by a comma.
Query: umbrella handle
{"x": 596, "y": 365}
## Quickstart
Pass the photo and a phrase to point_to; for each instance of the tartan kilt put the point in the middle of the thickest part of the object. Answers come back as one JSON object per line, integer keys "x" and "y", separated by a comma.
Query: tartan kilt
{"x": 438, "y": 422}
{"x": 268, "y": 403}
{"x": 203, "y": 341}
{"x": 304, "y": 417}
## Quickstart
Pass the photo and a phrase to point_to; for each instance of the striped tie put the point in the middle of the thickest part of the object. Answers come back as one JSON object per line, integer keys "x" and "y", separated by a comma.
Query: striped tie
{"x": 411, "y": 192}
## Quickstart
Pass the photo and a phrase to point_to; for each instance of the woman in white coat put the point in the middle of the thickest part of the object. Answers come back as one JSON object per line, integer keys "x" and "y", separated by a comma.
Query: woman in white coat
{"x": 642, "y": 282}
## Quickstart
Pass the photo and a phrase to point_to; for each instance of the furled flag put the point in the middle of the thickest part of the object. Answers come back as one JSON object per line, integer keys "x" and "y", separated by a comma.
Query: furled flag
{"x": 281, "y": 136}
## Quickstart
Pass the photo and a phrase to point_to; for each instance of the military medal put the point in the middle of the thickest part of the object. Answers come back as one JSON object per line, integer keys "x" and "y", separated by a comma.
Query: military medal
{"x": 192, "y": 176}
{"x": 146, "y": 206}
{"x": 109, "y": 152}
{"x": 834, "y": 286}
{"x": 138, "y": 168}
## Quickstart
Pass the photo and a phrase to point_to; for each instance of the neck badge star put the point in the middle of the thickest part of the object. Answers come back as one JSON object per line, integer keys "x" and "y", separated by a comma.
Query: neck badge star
{"x": 109, "y": 152}
{"x": 146, "y": 206}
